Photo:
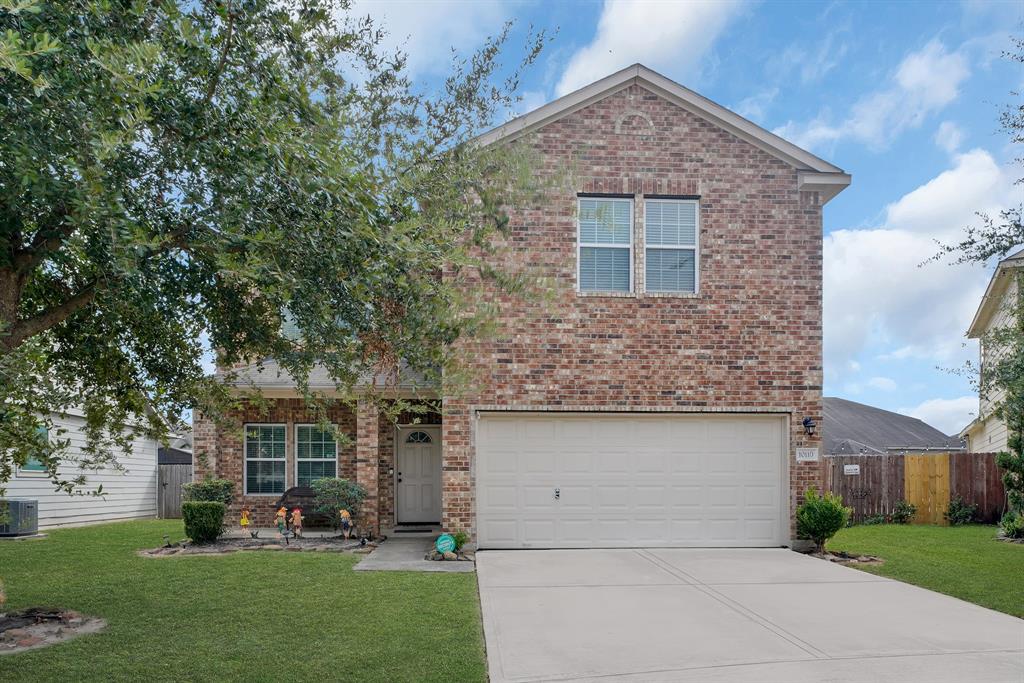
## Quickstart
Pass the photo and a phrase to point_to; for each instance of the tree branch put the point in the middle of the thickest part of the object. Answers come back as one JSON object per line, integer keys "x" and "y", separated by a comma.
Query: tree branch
{"x": 46, "y": 241}
{"x": 24, "y": 329}
{"x": 212, "y": 87}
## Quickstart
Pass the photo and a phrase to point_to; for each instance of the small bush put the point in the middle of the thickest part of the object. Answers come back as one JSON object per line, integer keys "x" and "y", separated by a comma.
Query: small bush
{"x": 461, "y": 539}
{"x": 960, "y": 512}
{"x": 204, "y": 519}
{"x": 334, "y": 495}
{"x": 220, "y": 490}
{"x": 819, "y": 518}
{"x": 903, "y": 513}
{"x": 875, "y": 519}
{"x": 1012, "y": 525}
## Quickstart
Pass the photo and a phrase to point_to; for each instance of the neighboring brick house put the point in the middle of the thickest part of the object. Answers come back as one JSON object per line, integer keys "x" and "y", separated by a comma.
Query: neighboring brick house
{"x": 660, "y": 397}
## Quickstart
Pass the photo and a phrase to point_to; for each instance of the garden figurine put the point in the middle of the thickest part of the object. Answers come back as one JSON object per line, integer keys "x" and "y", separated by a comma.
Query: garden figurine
{"x": 346, "y": 523}
{"x": 281, "y": 519}
{"x": 297, "y": 522}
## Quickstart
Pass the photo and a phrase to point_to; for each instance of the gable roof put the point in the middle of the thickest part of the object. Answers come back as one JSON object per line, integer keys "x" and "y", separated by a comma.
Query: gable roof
{"x": 815, "y": 173}
{"x": 850, "y": 428}
{"x": 994, "y": 293}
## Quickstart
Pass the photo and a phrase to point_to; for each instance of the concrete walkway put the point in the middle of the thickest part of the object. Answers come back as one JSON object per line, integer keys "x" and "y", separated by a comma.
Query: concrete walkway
{"x": 406, "y": 554}
{"x": 729, "y": 615}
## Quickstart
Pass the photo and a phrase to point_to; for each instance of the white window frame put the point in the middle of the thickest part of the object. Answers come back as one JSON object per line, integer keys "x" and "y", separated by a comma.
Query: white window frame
{"x": 604, "y": 245}
{"x": 695, "y": 248}
{"x": 296, "y": 439}
{"x": 246, "y": 459}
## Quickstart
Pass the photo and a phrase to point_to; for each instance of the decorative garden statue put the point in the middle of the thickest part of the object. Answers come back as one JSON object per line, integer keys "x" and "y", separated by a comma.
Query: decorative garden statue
{"x": 244, "y": 521}
{"x": 281, "y": 519}
{"x": 346, "y": 523}
{"x": 297, "y": 522}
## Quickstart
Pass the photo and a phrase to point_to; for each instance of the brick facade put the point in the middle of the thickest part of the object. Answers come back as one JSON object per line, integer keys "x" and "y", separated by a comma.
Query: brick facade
{"x": 750, "y": 340}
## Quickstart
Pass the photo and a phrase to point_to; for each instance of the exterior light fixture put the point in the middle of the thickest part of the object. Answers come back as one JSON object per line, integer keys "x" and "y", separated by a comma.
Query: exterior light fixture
{"x": 809, "y": 426}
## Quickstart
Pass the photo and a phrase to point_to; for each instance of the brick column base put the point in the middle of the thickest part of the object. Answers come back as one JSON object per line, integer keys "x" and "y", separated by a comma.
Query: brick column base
{"x": 367, "y": 466}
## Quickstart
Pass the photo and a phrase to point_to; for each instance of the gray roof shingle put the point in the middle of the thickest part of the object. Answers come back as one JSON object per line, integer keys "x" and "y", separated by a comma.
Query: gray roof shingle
{"x": 849, "y": 427}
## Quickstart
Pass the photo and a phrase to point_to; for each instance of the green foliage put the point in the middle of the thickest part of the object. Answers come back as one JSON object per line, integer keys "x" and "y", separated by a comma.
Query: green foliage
{"x": 875, "y": 519}
{"x": 960, "y": 512}
{"x": 204, "y": 519}
{"x": 1012, "y": 525}
{"x": 461, "y": 539}
{"x": 220, "y": 490}
{"x": 334, "y": 495}
{"x": 903, "y": 512}
{"x": 265, "y": 178}
{"x": 819, "y": 518}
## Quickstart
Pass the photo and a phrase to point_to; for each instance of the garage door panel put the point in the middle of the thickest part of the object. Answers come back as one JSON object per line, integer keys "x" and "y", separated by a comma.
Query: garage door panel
{"x": 629, "y": 480}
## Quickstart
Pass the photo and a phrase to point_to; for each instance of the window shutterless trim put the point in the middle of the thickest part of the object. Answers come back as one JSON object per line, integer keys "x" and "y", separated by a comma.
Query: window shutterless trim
{"x": 296, "y": 427}
{"x": 246, "y": 460}
{"x": 580, "y": 246}
{"x": 695, "y": 247}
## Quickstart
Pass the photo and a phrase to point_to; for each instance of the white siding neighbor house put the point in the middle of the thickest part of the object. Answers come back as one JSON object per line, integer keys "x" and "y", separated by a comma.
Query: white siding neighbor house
{"x": 987, "y": 433}
{"x": 129, "y": 493}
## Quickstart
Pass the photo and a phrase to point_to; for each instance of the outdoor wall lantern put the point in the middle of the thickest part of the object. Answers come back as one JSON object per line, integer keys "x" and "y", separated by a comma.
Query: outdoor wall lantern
{"x": 809, "y": 425}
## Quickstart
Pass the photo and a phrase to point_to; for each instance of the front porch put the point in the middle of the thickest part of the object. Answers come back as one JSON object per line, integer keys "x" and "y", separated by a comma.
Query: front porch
{"x": 396, "y": 456}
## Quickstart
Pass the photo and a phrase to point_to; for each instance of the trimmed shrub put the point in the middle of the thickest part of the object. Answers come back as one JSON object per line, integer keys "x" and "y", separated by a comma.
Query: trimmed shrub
{"x": 334, "y": 495}
{"x": 819, "y": 517}
{"x": 903, "y": 513}
{"x": 220, "y": 490}
{"x": 960, "y": 512}
{"x": 204, "y": 519}
{"x": 875, "y": 520}
{"x": 1012, "y": 525}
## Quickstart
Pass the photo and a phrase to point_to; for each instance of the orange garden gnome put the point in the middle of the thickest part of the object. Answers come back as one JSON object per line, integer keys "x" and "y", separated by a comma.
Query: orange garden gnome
{"x": 297, "y": 522}
{"x": 346, "y": 523}
{"x": 281, "y": 519}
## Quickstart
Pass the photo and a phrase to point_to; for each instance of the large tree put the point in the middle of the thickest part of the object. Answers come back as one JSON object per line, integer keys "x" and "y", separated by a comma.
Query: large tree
{"x": 172, "y": 171}
{"x": 1000, "y": 378}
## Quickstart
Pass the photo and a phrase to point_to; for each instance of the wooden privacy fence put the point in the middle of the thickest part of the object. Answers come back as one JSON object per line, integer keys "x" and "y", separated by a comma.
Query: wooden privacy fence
{"x": 168, "y": 489}
{"x": 873, "y": 484}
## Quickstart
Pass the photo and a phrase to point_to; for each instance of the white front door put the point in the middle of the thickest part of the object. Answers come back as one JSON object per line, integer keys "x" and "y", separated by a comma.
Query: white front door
{"x": 592, "y": 480}
{"x": 418, "y": 476}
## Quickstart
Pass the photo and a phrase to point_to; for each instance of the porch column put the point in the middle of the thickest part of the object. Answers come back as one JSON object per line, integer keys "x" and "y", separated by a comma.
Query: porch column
{"x": 367, "y": 463}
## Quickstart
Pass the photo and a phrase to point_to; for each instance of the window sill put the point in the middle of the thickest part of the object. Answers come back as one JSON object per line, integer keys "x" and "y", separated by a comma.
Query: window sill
{"x": 605, "y": 295}
{"x": 30, "y": 474}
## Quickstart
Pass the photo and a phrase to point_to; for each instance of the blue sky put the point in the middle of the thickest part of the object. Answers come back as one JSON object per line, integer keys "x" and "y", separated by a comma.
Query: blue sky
{"x": 905, "y": 96}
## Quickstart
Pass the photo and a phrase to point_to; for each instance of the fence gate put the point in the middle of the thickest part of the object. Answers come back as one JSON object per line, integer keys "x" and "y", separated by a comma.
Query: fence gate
{"x": 927, "y": 486}
{"x": 171, "y": 478}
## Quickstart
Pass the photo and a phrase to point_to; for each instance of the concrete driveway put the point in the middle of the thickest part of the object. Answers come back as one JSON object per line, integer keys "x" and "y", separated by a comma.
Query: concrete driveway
{"x": 728, "y": 615}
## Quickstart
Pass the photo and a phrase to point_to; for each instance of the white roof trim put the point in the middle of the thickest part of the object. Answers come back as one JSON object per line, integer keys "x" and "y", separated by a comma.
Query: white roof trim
{"x": 993, "y": 296}
{"x": 697, "y": 104}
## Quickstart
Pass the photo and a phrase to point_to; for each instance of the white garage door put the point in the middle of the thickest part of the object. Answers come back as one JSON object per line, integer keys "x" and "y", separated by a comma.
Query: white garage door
{"x": 629, "y": 480}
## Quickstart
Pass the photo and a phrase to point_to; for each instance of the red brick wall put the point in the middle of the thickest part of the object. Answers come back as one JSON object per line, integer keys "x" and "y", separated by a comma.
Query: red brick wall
{"x": 751, "y": 338}
{"x": 224, "y": 448}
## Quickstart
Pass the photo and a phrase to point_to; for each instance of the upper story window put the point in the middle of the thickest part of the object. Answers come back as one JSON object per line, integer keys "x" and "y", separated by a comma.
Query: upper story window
{"x": 670, "y": 237}
{"x": 605, "y": 244}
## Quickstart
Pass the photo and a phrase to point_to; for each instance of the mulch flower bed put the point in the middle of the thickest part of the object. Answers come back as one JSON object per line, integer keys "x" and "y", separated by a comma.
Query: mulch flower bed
{"x": 37, "y": 627}
{"x": 226, "y": 546}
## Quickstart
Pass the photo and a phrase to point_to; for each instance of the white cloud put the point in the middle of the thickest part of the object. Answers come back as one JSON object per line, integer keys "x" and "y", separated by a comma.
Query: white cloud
{"x": 427, "y": 31}
{"x": 755, "y": 106}
{"x": 882, "y": 384}
{"x": 876, "y": 292}
{"x": 811, "y": 65}
{"x": 949, "y": 136}
{"x": 948, "y": 415}
{"x": 924, "y": 83}
{"x": 667, "y": 36}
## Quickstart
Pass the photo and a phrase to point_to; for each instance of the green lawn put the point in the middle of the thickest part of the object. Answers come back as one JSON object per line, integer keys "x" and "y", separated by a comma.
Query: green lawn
{"x": 966, "y": 562}
{"x": 257, "y": 617}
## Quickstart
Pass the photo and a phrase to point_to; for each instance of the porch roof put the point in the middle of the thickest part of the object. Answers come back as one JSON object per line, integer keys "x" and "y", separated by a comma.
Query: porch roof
{"x": 268, "y": 375}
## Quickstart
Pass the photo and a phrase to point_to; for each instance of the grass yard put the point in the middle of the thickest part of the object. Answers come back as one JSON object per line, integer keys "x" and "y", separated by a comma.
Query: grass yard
{"x": 966, "y": 562}
{"x": 258, "y": 617}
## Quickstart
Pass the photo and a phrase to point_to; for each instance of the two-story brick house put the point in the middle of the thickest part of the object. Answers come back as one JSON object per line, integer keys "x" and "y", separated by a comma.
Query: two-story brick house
{"x": 660, "y": 397}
